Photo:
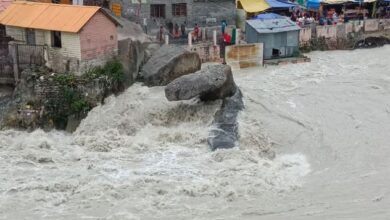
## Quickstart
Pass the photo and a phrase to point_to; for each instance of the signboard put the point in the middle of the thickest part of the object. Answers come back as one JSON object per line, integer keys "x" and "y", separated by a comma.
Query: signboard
{"x": 117, "y": 9}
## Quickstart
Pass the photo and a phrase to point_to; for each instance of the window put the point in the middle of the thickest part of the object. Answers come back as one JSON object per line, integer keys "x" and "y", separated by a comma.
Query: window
{"x": 179, "y": 9}
{"x": 56, "y": 39}
{"x": 30, "y": 36}
{"x": 157, "y": 11}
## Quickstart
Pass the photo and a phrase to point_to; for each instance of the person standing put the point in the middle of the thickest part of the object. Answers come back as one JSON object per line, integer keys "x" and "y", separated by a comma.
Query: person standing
{"x": 183, "y": 30}
{"x": 223, "y": 26}
{"x": 145, "y": 23}
{"x": 176, "y": 31}
{"x": 196, "y": 32}
{"x": 161, "y": 34}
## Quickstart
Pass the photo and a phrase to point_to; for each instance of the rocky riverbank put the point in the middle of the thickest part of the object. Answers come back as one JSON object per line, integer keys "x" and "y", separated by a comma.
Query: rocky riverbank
{"x": 43, "y": 99}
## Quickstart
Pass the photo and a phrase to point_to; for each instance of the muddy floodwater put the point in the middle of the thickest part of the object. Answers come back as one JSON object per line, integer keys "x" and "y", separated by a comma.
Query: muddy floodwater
{"x": 314, "y": 144}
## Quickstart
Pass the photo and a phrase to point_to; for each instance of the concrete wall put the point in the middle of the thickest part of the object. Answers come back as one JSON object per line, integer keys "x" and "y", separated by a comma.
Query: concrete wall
{"x": 305, "y": 35}
{"x": 243, "y": 56}
{"x": 384, "y": 24}
{"x": 341, "y": 32}
{"x": 19, "y": 34}
{"x": 371, "y": 25}
{"x": 327, "y": 31}
{"x": 98, "y": 38}
{"x": 207, "y": 52}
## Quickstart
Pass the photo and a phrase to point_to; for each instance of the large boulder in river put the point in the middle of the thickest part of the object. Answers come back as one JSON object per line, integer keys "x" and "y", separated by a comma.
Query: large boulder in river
{"x": 169, "y": 63}
{"x": 210, "y": 83}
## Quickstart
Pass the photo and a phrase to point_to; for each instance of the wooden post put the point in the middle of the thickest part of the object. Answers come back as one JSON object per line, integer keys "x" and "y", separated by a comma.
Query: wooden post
{"x": 237, "y": 36}
{"x": 15, "y": 60}
{"x": 166, "y": 39}
{"x": 215, "y": 37}
{"x": 190, "y": 39}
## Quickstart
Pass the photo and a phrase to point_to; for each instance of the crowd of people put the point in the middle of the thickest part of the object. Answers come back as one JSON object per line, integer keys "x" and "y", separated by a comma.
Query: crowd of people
{"x": 196, "y": 33}
{"x": 331, "y": 15}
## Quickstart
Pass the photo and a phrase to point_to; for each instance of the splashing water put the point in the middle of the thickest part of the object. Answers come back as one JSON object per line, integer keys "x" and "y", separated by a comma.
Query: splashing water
{"x": 142, "y": 157}
{"x": 137, "y": 156}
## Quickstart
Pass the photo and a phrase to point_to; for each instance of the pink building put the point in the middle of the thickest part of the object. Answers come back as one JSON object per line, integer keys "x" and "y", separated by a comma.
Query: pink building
{"x": 75, "y": 37}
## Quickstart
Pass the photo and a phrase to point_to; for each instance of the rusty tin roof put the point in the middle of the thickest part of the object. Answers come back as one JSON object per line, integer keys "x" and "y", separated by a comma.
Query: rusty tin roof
{"x": 46, "y": 16}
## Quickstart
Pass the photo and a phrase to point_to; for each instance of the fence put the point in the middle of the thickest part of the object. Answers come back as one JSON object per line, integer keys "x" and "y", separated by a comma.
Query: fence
{"x": 29, "y": 55}
{"x": 17, "y": 57}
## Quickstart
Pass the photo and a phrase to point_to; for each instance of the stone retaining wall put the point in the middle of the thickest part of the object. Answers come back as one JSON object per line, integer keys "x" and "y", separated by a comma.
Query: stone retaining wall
{"x": 353, "y": 30}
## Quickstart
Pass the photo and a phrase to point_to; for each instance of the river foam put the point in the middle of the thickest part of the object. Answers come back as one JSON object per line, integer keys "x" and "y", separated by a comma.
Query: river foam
{"x": 139, "y": 156}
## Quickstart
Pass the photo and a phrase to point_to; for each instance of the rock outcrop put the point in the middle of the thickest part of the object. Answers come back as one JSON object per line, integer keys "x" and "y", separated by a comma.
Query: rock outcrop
{"x": 371, "y": 42}
{"x": 224, "y": 133}
{"x": 168, "y": 63}
{"x": 211, "y": 83}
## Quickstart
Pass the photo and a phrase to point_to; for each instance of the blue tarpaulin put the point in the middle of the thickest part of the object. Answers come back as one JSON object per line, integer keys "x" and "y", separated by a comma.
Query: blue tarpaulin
{"x": 279, "y": 4}
{"x": 313, "y": 4}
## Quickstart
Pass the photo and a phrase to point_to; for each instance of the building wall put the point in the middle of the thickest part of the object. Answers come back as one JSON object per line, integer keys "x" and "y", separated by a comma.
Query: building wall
{"x": 67, "y": 58}
{"x": 286, "y": 42}
{"x": 70, "y": 44}
{"x": 98, "y": 38}
{"x": 19, "y": 34}
{"x": 70, "y": 41}
{"x": 207, "y": 13}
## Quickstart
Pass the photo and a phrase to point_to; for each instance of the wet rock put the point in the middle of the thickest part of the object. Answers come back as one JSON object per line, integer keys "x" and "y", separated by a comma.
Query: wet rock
{"x": 45, "y": 160}
{"x": 169, "y": 63}
{"x": 225, "y": 126}
{"x": 371, "y": 42}
{"x": 211, "y": 83}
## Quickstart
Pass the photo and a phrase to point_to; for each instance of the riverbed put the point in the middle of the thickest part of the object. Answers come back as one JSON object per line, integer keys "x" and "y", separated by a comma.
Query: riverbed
{"x": 314, "y": 144}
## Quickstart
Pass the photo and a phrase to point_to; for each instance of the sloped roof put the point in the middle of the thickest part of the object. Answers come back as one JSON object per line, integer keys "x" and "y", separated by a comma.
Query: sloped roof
{"x": 4, "y": 4}
{"x": 268, "y": 16}
{"x": 45, "y": 16}
{"x": 273, "y": 25}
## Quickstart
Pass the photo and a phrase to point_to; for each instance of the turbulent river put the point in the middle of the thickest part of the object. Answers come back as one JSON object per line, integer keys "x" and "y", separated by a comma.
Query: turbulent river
{"x": 314, "y": 144}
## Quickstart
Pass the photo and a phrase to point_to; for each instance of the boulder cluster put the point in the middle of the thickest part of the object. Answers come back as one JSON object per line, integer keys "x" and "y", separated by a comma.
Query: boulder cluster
{"x": 180, "y": 72}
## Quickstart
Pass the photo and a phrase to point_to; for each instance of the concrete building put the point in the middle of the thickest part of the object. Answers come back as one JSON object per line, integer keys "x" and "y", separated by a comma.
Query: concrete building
{"x": 189, "y": 12}
{"x": 75, "y": 37}
{"x": 280, "y": 36}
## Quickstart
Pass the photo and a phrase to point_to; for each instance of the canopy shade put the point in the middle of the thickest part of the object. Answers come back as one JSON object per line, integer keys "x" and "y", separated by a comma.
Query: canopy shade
{"x": 279, "y": 4}
{"x": 334, "y": 2}
{"x": 313, "y": 4}
{"x": 253, "y": 6}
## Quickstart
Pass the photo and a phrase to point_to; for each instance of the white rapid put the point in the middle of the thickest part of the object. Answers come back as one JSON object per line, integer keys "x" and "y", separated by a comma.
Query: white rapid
{"x": 141, "y": 157}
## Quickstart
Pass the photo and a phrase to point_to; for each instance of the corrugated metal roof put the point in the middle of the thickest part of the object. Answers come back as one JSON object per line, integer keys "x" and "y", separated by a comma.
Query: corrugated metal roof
{"x": 55, "y": 17}
{"x": 273, "y": 25}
